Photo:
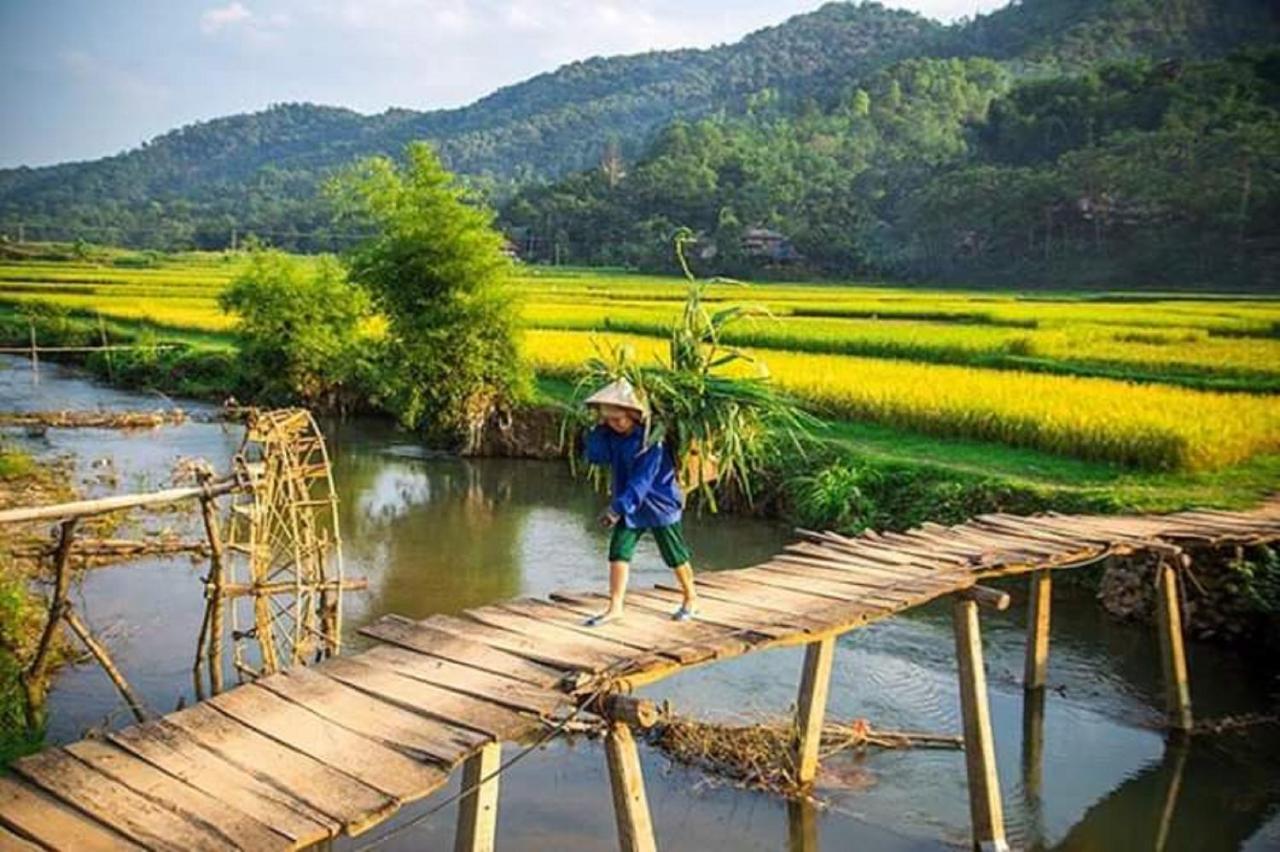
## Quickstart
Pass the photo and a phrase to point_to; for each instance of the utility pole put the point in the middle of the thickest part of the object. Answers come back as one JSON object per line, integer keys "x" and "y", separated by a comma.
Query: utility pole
{"x": 233, "y": 238}
{"x": 22, "y": 232}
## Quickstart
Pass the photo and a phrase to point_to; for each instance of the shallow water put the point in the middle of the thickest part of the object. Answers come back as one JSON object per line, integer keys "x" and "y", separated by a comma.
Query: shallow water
{"x": 439, "y": 535}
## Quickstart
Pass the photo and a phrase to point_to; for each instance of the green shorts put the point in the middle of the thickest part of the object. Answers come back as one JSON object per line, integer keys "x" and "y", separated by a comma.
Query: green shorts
{"x": 671, "y": 543}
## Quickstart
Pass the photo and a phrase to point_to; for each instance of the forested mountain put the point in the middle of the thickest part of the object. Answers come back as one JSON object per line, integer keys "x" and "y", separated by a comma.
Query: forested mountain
{"x": 259, "y": 172}
{"x": 1132, "y": 174}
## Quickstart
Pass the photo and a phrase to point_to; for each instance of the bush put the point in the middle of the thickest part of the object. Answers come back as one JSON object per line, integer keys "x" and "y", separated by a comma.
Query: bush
{"x": 302, "y": 329}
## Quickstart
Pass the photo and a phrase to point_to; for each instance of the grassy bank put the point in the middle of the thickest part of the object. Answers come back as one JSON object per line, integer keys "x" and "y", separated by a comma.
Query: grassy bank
{"x": 22, "y": 614}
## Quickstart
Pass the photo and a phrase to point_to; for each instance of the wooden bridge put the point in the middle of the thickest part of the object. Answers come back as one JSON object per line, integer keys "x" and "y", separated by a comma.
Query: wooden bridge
{"x": 297, "y": 757}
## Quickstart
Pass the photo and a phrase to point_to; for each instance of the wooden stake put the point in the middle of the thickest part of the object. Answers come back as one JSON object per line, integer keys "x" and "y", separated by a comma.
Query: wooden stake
{"x": 979, "y": 745}
{"x": 1032, "y": 742}
{"x": 33, "y": 679}
{"x": 1173, "y": 658}
{"x": 1037, "y": 669}
{"x": 811, "y": 705}
{"x": 630, "y": 807}
{"x": 478, "y": 810}
{"x": 802, "y": 826}
{"x": 35, "y": 357}
{"x": 217, "y": 576}
{"x": 104, "y": 659}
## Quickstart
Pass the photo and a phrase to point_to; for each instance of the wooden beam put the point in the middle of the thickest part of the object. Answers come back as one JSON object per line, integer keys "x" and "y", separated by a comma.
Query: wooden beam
{"x": 1037, "y": 666}
{"x": 811, "y": 706}
{"x": 988, "y": 597}
{"x": 630, "y": 807}
{"x": 1173, "y": 657}
{"x": 478, "y": 809}
{"x": 985, "y": 808}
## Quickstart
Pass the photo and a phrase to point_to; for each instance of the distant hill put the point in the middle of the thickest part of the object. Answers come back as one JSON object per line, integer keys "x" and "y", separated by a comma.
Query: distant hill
{"x": 259, "y": 172}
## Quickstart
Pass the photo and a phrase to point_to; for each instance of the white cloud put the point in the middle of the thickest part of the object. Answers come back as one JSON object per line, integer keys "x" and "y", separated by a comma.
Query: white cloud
{"x": 221, "y": 17}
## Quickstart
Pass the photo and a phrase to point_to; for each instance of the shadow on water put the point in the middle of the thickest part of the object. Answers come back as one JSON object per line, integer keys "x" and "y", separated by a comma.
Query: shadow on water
{"x": 439, "y": 534}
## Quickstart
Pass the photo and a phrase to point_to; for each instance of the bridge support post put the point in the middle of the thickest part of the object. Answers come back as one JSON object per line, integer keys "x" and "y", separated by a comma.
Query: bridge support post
{"x": 1037, "y": 667}
{"x": 630, "y": 806}
{"x": 478, "y": 810}
{"x": 811, "y": 706}
{"x": 1173, "y": 655}
{"x": 985, "y": 808}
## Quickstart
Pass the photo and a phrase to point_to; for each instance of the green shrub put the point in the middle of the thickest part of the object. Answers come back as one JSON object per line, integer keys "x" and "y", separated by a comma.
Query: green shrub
{"x": 300, "y": 329}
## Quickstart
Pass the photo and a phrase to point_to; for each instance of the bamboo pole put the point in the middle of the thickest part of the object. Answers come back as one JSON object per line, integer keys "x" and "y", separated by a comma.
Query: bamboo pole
{"x": 478, "y": 809}
{"x": 33, "y": 680}
{"x": 108, "y": 665}
{"x": 1173, "y": 656}
{"x": 811, "y": 706}
{"x": 217, "y": 576}
{"x": 979, "y": 745}
{"x": 1035, "y": 674}
{"x": 630, "y": 807}
{"x": 102, "y": 505}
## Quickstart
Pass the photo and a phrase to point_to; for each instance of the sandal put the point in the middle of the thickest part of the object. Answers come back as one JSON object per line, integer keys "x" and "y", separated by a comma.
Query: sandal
{"x": 601, "y": 618}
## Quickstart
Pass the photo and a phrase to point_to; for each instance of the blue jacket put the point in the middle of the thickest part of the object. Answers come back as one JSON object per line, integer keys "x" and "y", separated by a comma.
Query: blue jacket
{"x": 645, "y": 492}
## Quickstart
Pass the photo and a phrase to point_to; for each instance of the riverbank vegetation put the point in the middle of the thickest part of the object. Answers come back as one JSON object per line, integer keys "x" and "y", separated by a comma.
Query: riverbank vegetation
{"x": 22, "y": 617}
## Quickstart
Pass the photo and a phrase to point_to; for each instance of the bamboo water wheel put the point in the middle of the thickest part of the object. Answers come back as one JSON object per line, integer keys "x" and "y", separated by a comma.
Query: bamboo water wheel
{"x": 282, "y": 571}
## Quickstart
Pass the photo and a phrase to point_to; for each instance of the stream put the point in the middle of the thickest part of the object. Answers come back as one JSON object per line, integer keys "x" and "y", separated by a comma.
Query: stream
{"x": 437, "y": 534}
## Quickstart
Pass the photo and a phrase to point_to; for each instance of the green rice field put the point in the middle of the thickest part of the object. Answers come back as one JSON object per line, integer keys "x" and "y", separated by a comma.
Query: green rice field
{"x": 1119, "y": 390}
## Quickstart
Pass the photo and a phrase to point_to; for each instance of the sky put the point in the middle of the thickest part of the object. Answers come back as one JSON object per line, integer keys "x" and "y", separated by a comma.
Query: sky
{"x": 82, "y": 79}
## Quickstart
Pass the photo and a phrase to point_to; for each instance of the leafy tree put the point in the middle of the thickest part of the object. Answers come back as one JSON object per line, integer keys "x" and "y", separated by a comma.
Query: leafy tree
{"x": 303, "y": 331}
{"x": 436, "y": 269}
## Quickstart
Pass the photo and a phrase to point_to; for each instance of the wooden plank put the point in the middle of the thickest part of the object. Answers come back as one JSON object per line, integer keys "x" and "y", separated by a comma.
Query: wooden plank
{"x": 137, "y": 817}
{"x": 811, "y": 706}
{"x": 430, "y": 700}
{"x": 238, "y": 828}
{"x": 33, "y": 813}
{"x": 810, "y": 581}
{"x": 450, "y": 675}
{"x": 1036, "y": 670}
{"x": 418, "y": 637}
{"x": 170, "y": 749}
{"x": 10, "y": 842}
{"x": 831, "y": 555}
{"x": 1173, "y": 655}
{"x": 745, "y": 591}
{"x": 701, "y": 640}
{"x": 360, "y": 757}
{"x": 985, "y": 808}
{"x": 478, "y": 810}
{"x": 355, "y": 805}
{"x": 569, "y": 657}
{"x": 714, "y": 611}
{"x": 630, "y": 806}
{"x": 538, "y": 631}
{"x": 418, "y": 737}
{"x": 625, "y": 631}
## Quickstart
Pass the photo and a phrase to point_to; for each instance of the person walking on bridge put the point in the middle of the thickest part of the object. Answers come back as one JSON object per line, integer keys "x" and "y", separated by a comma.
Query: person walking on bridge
{"x": 646, "y": 495}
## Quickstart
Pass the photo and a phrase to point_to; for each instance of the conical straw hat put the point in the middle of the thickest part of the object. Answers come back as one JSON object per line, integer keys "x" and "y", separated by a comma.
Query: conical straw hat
{"x": 620, "y": 394}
